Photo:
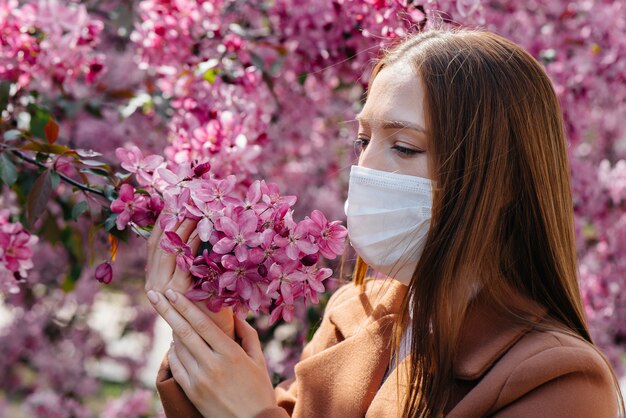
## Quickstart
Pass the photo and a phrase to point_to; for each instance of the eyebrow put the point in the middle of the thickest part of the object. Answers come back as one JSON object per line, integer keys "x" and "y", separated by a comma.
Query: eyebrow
{"x": 392, "y": 124}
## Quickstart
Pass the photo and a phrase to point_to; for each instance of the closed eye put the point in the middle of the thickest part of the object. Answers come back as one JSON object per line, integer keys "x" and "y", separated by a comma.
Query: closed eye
{"x": 406, "y": 151}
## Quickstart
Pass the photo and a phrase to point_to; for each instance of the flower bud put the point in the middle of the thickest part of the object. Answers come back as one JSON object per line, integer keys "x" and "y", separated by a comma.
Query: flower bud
{"x": 310, "y": 259}
{"x": 201, "y": 169}
{"x": 262, "y": 270}
{"x": 104, "y": 273}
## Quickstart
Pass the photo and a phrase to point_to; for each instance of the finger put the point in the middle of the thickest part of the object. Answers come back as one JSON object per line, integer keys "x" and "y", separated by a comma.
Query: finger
{"x": 249, "y": 340}
{"x": 178, "y": 370}
{"x": 194, "y": 242}
{"x": 201, "y": 323}
{"x": 165, "y": 261}
{"x": 180, "y": 326}
{"x": 186, "y": 228}
{"x": 185, "y": 328}
{"x": 181, "y": 280}
{"x": 153, "y": 240}
{"x": 183, "y": 354}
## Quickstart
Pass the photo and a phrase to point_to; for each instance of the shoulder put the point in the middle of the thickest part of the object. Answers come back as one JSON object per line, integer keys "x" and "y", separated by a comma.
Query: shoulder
{"x": 375, "y": 291}
{"x": 549, "y": 372}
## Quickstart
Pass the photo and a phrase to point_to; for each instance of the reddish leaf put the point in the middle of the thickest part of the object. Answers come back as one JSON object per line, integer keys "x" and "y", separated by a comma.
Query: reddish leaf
{"x": 51, "y": 130}
{"x": 38, "y": 197}
{"x": 114, "y": 242}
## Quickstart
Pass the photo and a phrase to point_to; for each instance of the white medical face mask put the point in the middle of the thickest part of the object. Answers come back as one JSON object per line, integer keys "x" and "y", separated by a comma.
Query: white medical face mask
{"x": 388, "y": 219}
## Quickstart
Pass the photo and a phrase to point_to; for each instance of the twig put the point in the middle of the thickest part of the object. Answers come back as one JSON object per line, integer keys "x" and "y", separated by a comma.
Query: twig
{"x": 65, "y": 178}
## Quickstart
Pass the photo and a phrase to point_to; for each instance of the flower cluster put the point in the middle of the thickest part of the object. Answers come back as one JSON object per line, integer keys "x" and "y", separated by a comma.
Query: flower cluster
{"x": 16, "y": 252}
{"x": 260, "y": 89}
{"x": 49, "y": 42}
{"x": 255, "y": 256}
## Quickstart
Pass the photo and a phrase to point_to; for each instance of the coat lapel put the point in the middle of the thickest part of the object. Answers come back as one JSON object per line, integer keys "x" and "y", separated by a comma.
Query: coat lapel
{"x": 485, "y": 337}
{"x": 347, "y": 375}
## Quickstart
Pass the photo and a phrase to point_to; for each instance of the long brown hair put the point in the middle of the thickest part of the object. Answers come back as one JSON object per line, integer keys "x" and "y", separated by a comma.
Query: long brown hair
{"x": 502, "y": 213}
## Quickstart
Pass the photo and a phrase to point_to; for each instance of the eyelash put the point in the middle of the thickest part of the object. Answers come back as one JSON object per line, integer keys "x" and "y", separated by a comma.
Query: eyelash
{"x": 361, "y": 143}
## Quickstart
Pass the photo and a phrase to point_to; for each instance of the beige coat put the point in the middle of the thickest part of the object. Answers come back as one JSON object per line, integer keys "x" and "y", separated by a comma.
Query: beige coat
{"x": 503, "y": 369}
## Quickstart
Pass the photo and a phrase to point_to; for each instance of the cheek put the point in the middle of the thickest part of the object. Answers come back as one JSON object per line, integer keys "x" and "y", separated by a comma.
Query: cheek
{"x": 418, "y": 166}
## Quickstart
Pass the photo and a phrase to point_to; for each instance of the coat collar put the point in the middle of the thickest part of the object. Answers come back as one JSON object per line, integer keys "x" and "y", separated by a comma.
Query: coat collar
{"x": 348, "y": 373}
{"x": 486, "y": 334}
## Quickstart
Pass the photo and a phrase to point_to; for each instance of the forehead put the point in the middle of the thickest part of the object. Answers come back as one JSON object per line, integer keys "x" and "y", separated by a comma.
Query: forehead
{"x": 395, "y": 94}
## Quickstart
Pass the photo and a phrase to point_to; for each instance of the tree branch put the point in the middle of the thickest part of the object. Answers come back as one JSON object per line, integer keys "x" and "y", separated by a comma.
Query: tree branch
{"x": 65, "y": 178}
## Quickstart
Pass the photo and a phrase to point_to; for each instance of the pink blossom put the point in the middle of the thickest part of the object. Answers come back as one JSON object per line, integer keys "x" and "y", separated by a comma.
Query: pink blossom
{"x": 205, "y": 268}
{"x": 284, "y": 277}
{"x": 209, "y": 292}
{"x": 127, "y": 206}
{"x": 16, "y": 252}
{"x": 173, "y": 244}
{"x": 253, "y": 195}
{"x": 238, "y": 235}
{"x": 266, "y": 250}
{"x": 133, "y": 161}
{"x": 272, "y": 198}
{"x": 219, "y": 192}
{"x": 175, "y": 209}
{"x": 330, "y": 236}
{"x": 297, "y": 241}
{"x": 238, "y": 276}
{"x": 282, "y": 309}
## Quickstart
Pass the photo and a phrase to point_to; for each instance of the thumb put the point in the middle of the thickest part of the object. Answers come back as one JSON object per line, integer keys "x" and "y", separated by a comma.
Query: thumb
{"x": 249, "y": 340}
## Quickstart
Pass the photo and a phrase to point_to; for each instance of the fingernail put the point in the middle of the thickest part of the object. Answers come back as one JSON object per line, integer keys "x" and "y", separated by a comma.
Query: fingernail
{"x": 171, "y": 295}
{"x": 153, "y": 297}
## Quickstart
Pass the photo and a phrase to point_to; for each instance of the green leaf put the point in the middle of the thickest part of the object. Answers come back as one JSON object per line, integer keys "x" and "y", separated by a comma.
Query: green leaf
{"x": 257, "y": 61}
{"x": 8, "y": 172}
{"x": 97, "y": 171}
{"x": 50, "y": 230}
{"x": 109, "y": 192}
{"x": 276, "y": 67}
{"x": 209, "y": 75}
{"x": 121, "y": 235}
{"x": 68, "y": 284}
{"x": 46, "y": 148}
{"x": 109, "y": 223}
{"x": 123, "y": 176}
{"x": 55, "y": 179}
{"x": 39, "y": 118}
{"x": 38, "y": 197}
{"x": 95, "y": 163}
{"x": 73, "y": 241}
{"x": 79, "y": 209}
{"x": 143, "y": 192}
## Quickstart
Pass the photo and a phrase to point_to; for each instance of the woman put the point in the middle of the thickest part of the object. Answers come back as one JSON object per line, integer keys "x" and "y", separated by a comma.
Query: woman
{"x": 461, "y": 196}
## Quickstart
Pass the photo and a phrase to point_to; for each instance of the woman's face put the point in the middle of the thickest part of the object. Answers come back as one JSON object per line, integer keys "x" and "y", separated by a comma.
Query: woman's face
{"x": 391, "y": 125}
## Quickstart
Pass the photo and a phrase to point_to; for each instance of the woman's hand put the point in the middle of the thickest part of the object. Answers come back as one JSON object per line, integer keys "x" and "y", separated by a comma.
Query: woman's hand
{"x": 162, "y": 272}
{"x": 221, "y": 378}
